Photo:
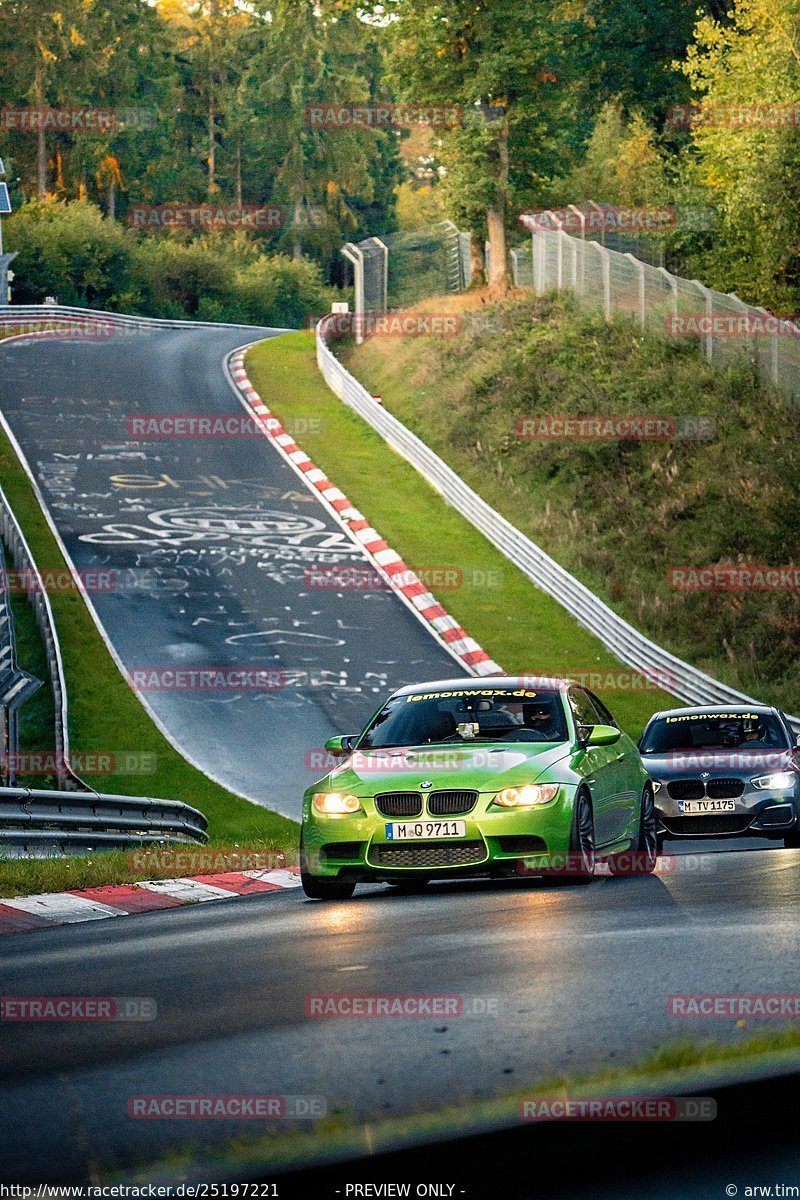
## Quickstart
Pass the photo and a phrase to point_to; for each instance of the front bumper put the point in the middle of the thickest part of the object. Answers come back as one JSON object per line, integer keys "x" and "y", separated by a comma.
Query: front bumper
{"x": 755, "y": 814}
{"x": 495, "y": 842}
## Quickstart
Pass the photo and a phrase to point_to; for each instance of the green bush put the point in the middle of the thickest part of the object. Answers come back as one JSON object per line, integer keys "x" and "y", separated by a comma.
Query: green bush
{"x": 70, "y": 251}
{"x": 620, "y": 514}
{"x": 73, "y": 252}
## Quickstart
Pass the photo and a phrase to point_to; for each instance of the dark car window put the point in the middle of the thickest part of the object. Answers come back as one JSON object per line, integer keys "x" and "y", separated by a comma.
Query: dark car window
{"x": 584, "y": 712}
{"x": 720, "y": 730}
{"x": 488, "y": 715}
{"x": 794, "y": 738}
{"x": 605, "y": 716}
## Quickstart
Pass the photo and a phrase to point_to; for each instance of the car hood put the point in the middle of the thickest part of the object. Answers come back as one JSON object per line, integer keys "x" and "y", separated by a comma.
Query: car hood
{"x": 482, "y": 767}
{"x": 740, "y": 764}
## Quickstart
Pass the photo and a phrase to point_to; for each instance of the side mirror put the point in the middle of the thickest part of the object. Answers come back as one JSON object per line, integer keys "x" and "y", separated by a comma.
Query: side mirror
{"x": 603, "y": 735}
{"x": 341, "y": 744}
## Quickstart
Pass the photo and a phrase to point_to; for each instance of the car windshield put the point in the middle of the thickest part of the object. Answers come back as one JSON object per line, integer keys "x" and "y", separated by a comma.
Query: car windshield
{"x": 714, "y": 731}
{"x": 492, "y": 715}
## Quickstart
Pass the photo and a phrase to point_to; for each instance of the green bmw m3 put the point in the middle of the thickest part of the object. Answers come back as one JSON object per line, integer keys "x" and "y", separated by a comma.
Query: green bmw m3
{"x": 504, "y": 776}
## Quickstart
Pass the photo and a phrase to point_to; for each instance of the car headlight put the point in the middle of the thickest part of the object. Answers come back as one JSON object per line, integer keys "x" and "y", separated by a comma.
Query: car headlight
{"x": 776, "y": 781}
{"x": 335, "y": 803}
{"x": 657, "y": 785}
{"x": 527, "y": 796}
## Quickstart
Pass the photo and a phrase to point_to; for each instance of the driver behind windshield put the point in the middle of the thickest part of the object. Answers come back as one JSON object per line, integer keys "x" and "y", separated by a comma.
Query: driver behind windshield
{"x": 428, "y": 719}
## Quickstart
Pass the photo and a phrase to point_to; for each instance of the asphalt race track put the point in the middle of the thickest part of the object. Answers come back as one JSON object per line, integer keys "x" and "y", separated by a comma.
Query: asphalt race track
{"x": 581, "y": 977}
{"x": 210, "y": 542}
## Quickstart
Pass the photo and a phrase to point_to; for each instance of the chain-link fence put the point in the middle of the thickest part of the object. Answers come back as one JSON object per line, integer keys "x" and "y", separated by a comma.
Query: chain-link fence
{"x": 606, "y": 224}
{"x": 402, "y": 268}
{"x": 725, "y": 328}
{"x": 522, "y": 266}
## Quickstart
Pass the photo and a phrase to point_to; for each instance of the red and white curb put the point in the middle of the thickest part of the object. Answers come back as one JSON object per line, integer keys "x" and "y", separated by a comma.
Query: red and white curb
{"x": 121, "y": 900}
{"x": 387, "y": 562}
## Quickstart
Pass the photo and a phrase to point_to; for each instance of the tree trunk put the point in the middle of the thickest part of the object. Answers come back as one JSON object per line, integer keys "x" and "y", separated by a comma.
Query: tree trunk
{"x": 213, "y": 18}
{"x": 41, "y": 166}
{"x": 299, "y": 221}
{"x": 477, "y": 266}
{"x": 212, "y": 163}
{"x": 112, "y": 200}
{"x": 41, "y": 144}
{"x": 496, "y": 219}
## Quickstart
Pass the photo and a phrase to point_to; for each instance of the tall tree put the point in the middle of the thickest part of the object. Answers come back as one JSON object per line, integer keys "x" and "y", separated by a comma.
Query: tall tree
{"x": 503, "y": 63}
{"x": 319, "y": 57}
{"x": 749, "y": 165}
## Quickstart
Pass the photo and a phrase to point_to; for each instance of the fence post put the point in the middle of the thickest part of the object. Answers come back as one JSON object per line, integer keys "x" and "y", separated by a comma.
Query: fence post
{"x": 464, "y": 254}
{"x": 602, "y": 222}
{"x": 385, "y": 249}
{"x": 605, "y": 259}
{"x": 538, "y": 251}
{"x": 560, "y": 255}
{"x": 573, "y": 246}
{"x": 775, "y": 352}
{"x": 354, "y": 255}
{"x": 579, "y": 277}
{"x": 708, "y": 298}
{"x": 745, "y": 308}
{"x": 672, "y": 284}
{"x": 640, "y": 272}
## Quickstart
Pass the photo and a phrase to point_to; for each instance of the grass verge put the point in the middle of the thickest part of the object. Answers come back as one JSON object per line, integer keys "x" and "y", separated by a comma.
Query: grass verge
{"x": 105, "y": 714}
{"x": 620, "y": 515}
{"x": 519, "y": 626}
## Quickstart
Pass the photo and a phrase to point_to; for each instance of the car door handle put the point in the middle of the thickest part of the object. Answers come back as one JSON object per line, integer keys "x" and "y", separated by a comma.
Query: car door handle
{"x": 620, "y": 758}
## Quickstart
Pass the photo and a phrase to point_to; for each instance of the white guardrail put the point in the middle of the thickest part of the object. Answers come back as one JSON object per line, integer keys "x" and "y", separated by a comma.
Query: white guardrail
{"x": 93, "y": 320}
{"x": 628, "y": 644}
{"x": 23, "y": 560}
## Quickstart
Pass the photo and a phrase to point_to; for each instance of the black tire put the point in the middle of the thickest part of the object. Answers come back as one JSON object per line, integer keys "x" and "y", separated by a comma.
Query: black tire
{"x": 791, "y": 839}
{"x": 318, "y": 887}
{"x": 581, "y": 856}
{"x": 641, "y": 860}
